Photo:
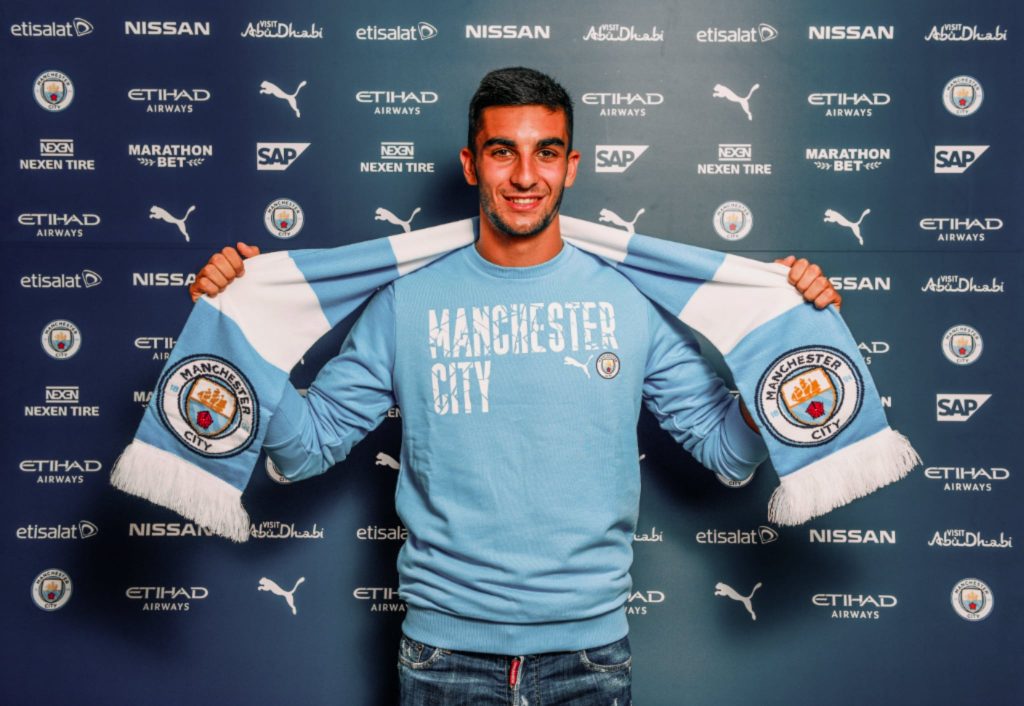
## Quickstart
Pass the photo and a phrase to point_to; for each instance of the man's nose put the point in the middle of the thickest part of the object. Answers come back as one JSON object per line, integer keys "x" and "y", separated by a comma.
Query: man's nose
{"x": 524, "y": 176}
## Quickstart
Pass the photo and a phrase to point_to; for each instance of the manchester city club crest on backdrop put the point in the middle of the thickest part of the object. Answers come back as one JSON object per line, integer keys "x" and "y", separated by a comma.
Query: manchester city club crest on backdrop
{"x": 283, "y": 218}
{"x": 961, "y": 345}
{"x": 962, "y": 96}
{"x": 809, "y": 395}
{"x": 733, "y": 220}
{"x": 51, "y": 589}
{"x": 209, "y": 405}
{"x": 54, "y": 91}
{"x": 972, "y": 599}
{"x": 61, "y": 339}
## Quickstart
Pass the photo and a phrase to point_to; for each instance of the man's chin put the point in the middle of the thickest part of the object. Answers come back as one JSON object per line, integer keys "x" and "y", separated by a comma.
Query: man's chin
{"x": 522, "y": 230}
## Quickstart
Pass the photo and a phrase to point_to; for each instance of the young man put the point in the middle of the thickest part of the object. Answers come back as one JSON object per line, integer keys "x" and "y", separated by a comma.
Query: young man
{"x": 519, "y": 365}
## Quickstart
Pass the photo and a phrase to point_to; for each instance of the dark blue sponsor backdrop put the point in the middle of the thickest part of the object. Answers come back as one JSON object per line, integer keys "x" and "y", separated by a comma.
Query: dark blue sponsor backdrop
{"x": 846, "y": 152}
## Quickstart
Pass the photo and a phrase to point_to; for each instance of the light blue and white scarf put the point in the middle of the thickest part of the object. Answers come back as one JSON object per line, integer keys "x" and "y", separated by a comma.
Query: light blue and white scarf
{"x": 797, "y": 368}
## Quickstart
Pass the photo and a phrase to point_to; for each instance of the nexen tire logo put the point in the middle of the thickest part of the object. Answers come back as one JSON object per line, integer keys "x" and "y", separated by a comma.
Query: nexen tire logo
{"x": 278, "y": 156}
{"x": 616, "y": 159}
{"x": 957, "y": 159}
{"x": 958, "y": 408}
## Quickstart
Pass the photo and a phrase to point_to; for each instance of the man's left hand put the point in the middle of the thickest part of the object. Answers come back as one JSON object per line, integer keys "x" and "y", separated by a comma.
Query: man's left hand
{"x": 809, "y": 281}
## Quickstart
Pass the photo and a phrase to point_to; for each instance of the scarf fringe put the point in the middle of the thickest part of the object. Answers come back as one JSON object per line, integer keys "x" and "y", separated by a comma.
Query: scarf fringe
{"x": 172, "y": 482}
{"x": 842, "y": 477}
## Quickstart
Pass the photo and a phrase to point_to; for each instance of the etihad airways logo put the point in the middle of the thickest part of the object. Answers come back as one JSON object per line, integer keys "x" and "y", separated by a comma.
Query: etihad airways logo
{"x": 960, "y": 230}
{"x": 168, "y": 100}
{"x": 738, "y": 35}
{"x": 59, "y": 225}
{"x": 855, "y": 606}
{"x": 166, "y": 598}
{"x": 52, "y": 30}
{"x": 60, "y": 470}
{"x": 969, "y": 479}
{"x": 396, "y": 102}
{"x": 622, "y": 105}
{"x": 848, "y": 105}
{"x": 508, "y": 31}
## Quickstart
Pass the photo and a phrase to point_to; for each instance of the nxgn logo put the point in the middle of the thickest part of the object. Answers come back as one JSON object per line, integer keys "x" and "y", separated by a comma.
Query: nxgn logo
{"x": 278, "y": 156}
{"x": 956, "y": 159}
{"x": 397, "y": 150}
{"x": 617, "y": 158}
{"x": 958, "y": 408}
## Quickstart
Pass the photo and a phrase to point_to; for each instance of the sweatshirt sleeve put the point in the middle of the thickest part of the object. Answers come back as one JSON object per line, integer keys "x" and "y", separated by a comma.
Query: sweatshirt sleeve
{"x": 349, "y": 398}
{"x": 693, "y": 404}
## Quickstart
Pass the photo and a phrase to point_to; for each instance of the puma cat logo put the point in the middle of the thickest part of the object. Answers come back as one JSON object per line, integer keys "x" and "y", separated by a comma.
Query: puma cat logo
{"x": 289, "y": 596}
{"x": 608, "y": 216}
{"x": 161, "y": 214}
{"x": 722, "y": 589}
{"x": 385, "y": 215}
{"x": 724, "y": 92}
{"x": 836, "y": 217}
{"x": 569, "y": 360}
{"x": 269, "y": 89}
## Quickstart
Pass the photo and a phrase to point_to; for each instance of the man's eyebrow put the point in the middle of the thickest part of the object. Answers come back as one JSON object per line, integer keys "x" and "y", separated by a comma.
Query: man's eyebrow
{"x": 503, "y": 141}
{"x": 551, "y": 142}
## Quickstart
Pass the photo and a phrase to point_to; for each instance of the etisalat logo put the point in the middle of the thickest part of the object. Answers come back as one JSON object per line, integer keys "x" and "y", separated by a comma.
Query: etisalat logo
{"x": 735, "y": 159}
{"x": 166, "y": 598}
{"x": 967, "y": 539}
{"x": 271, "y": 89}
{"x": 739, "y": 35}
{"x": 855, "y": 606}
{"x": 395, "y": 102}
{"x": 86, "y": 280}
{"x": 848, "y": 159}
{"x": 275, "y": 29}
{"x": 624, "y": 104}
{"x": 53, "y": 91}
{"x": 57, "y": 154}
{"x": 962, "y": 344}
{"x": 762, "y": 535}
{"x": 420, "y": 31}
{"x": 170, "y": 156}
{"x": 967, "y": 479}
{"x": 77, "y": 27}
{"x": 373, "y": 533}
{"x": 849, "y": 105}
{"x": 169, "y": 100}
{"x": 959, "y": 230}
{"x": 82, "y": 530}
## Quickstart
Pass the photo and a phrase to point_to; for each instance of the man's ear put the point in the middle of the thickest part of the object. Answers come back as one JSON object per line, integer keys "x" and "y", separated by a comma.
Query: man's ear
{"x": 570, "y": 173}
{"x": 468, "y": 165}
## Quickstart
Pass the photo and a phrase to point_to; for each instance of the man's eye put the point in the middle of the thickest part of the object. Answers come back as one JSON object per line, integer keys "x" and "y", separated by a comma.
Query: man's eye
{"x": 501, "y": 152}
{"x": 548, "y": 154}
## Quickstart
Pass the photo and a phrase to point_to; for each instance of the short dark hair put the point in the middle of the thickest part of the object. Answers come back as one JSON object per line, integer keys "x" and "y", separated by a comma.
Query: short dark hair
{"x": 517, "y": 86}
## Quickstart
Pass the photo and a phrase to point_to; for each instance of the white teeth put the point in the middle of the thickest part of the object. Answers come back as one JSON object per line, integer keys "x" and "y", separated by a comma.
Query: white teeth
{"x": 523, "y": 201}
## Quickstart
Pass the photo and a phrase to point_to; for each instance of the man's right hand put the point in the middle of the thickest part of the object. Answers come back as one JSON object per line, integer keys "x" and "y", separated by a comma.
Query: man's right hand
{"x": 221, "y": 269}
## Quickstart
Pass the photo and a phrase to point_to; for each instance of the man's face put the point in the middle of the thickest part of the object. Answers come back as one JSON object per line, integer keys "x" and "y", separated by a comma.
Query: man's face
{"x": 522, "y": 165}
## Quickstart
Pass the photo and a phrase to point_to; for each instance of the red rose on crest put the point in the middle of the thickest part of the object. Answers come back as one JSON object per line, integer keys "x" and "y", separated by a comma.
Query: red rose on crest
{"x": 204, "y": 419}
{"x": 815, "y": 409}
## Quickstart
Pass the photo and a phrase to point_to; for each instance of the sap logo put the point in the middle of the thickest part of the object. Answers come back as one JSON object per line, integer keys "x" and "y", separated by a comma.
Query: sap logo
{"x": 851, "y": 32}
{"x": 956, "y": 159}
{"x": 167, "y": 28}
{"x": 162, "y": 279}
{"x": 958, "y": 408}
{"x": 616, "y": 159}
{"x": 278, "y": 156}
{"x": 852, "y": 284}
{"x": 508, "y": 32}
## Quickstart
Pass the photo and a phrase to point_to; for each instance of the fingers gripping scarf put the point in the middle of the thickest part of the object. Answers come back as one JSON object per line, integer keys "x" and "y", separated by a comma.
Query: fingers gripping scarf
{"x": 797, "y": 368}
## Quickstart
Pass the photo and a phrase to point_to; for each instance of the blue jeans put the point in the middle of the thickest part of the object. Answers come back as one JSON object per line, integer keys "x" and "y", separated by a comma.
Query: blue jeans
{"x": 431, "y": 676}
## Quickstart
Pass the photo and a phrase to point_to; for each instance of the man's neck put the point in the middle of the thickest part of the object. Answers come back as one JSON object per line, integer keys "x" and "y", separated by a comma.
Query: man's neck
{"x": 515, "y": 250}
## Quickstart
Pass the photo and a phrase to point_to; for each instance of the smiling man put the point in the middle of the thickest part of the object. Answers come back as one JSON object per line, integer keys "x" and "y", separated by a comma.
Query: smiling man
{"x": 519, "y": 365}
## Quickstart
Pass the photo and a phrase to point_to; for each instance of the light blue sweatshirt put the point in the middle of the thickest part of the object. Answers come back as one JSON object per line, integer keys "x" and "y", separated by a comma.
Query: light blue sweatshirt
{"x": 520, "y": 390}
